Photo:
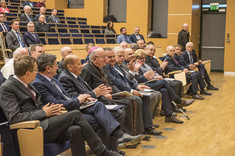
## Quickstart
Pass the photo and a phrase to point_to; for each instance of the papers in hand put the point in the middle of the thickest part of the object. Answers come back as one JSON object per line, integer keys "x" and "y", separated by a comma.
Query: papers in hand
{"x": 122, "y": 94}
{"x": 88, "y": 104}
{"x": 145, "y": 93}
{"x": 113, "y": 107}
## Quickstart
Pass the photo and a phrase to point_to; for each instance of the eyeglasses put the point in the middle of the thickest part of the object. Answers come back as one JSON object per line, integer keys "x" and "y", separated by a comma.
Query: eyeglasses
{"x": 141, "y": 58}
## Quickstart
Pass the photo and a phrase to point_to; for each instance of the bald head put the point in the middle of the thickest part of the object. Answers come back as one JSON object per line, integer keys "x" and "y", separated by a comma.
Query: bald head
{"x": 170, "y": 51}
{"x": 129, "y": 54}
{"x": 124, "y": 45}
{"x": 65, "y": 51}
{"x": 20, "y": 52}
{"x": 185, "y": 27}
{"x": 73, "y": 64}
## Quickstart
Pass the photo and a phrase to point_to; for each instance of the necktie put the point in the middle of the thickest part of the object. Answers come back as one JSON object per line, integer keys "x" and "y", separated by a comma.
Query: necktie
{"x": 57, "y": 87}
{"x": 55, "y": 20}
{"x": 19, "y": 39}
{"x": 29, "y": 18}
{"x": 103, "y": 77}
{"x": 33, "y": 93}
{"x": 34, "y": 36}
{"x": 4, "y": 27}
{"x": 191, "y": 58}
{"x": 175, "y": 60}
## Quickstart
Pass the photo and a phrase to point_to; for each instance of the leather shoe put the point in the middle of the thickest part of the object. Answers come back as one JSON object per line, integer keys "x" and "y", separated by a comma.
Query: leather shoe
{"x": 205, "y": 93}
{"x": 198, "y": 97}
{"x": 152, "y": 131}
{"x": 111, "y": 153}
{"x": 185, "y": 103}
{"x": 212, "y": 88}
{"x": 155, "y": 126}
{"x": 120, "y": 152}
{"x": 129, "y": 140}
{"x": 173, "y": 119}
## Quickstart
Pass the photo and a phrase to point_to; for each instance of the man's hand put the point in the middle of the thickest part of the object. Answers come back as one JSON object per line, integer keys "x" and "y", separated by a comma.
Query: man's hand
{"x": 191, "y": 66}
{"x": 142, "y": 87}
{"x": 53, "y": 110}
{"x": 186, "y": 70}
{"x": 199, "y": 61}
{"x": 108, "y": 96}
{"x": 136, "y": 93}
{"x": 196, "y": 63}
{"x": 163, "y": 64}
{"x": 149, "y": 75}
{"x": 90, "y": 99}
{"x": 158, "y": 77}
{"x": 82, "y": 98}
{"x": 101, "y": 90}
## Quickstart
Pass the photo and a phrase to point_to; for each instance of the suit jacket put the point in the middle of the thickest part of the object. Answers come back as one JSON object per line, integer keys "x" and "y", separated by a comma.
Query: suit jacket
{"x": 1, "y": 29}
{"x": 23, "y": 17}
{"x": 154, "y": 64}
{"x": 29, "y": 39}
{"x": 186, "y": 57}
{"x": 19, "y": 104}
{"x": 74, "y": 86}
{"x": 31, "y": 4}
{"x": 172, "y": 65}
{"x": 50, "y": 19}
{"x": 39, "y": 27}
{"x": 12, "y": 40}
{"x": 2, "y": 79}
{"x": 180, "y": 59}
{"x": 134, "y": 39}
{"x": 50, "y": 94}
{"x": 37, "y": 16}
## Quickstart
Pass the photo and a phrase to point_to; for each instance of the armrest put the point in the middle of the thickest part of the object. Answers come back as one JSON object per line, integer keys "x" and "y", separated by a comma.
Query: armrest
{"x": 8, "y": 50}
{"x": 26, "y": 124}
{"x": 174, "y": 72}
{"x": 206, "y": 61}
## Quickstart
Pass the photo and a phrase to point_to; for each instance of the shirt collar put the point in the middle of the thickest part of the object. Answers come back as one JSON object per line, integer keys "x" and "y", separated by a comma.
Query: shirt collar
{"x": 74, "y": 75}
{"x": 46, "y": 77}
{"x": 20, "y": 81}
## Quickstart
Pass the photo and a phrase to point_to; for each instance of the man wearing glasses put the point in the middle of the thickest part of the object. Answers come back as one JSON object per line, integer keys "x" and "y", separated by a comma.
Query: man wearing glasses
{"x": 30, "y": 37}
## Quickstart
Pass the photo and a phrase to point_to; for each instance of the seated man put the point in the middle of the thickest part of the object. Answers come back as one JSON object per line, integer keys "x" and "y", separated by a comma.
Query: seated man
{"x": 20, "y": 102}
{"x": 140, "y": 43}
{"x": 26, "y": 16}
{"x": 30, "y": 37}
{"x": 53, "y": 18}
{"x": 52, "y": 92}
{"x": 64, "y": 52}
{"x": 42, "y": 12}
{"x": 123, "y": 36}
{"x": 14, "y": 38}
{"x": 8, "y": 68}
{"x": 28, "y": 2}
{"x": 41, "y": 3}
{"x": 118, "y": 77}
{"x": 136, "y": 36}
{"x": 192, "y": 62}
{"x": 42, "y": 26}
{"x": 192, "y": 77}
{"x": 36, "y": 50}
{"x": 3, "y": 26}
{"x": 123, "y": 45}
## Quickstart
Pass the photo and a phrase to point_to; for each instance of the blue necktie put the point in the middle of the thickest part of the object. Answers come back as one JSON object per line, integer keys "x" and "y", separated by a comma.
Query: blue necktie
{"x": 55, "y": 20}
{"x": 19, "y": 39}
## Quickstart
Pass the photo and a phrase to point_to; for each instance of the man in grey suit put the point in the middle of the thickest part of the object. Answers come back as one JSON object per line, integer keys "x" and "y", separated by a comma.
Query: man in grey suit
{"x": 22, "y": 102}
{"x": 53, "y": 18}
{"x": 26, "y": 15}
{"x": 14, "y": 38}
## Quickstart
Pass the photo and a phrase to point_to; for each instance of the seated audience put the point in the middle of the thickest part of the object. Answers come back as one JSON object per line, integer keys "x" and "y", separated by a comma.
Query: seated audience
{"x": 134, "y": 46}
{"x": 28, "y": 2}
{"x": 57, "y": 126}
{"x": 3, "y": 26}
{"x": 36, "y": 50}
{"x": 53, "y": 92}
{"x": 136, "y": 36}
{"x": 8, "y": 68}
{"x": 192, "y": 62}
{"x": 30, "y": 37}
{"x": 123, "y": 45}
{"x": 42, "y": 12}
{"x": 41, "y": 3}
{"x": 53, "y": 18}
{"x": 109, "y": 29}
{"x": 14, "y": 38}
{"x": 123, "y": 36}
{"x": 88, "y": 51}
{"x": 41, "y": 26}
{"x": 3, "y": 7}
{"x": 26, "y": 16}
{"x": 64, "y": 52}
{"x": 140, "y": 43}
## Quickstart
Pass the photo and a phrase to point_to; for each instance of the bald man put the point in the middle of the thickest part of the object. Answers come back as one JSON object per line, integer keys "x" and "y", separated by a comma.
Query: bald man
{"x": 64, "y": 52}
{"x": 183, "y": 36}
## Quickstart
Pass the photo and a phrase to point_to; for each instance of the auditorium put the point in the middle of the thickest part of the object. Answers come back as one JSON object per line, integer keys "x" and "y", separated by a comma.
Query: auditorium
{"x": 117, "y": 78}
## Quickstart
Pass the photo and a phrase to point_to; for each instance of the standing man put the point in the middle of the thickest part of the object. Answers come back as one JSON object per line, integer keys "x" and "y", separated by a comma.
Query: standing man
{"x": 123, "y": 36}
{"x": 183, "y": 36}
{"x": 30, "y": 37}
{"x": 53, "y": 18}
{"x": 26, "y": 15}
{"x": 3, "y": 26}
{"x": 14, "y": 38}
{"x": 136, "y": 36}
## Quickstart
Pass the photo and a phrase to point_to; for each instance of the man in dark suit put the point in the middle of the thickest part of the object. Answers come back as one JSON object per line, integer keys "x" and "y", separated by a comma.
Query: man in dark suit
{"x": 42, "y": 12}
{"x": 53, "y": 18}
{"x": 140, "y": 44}
{"x": 183, "y": 36}
{"x": 3, "y": 26}
{"x": 193, "y": 77}
{"x": 14, "y": 38}
{"x": 20, "y": 101}
{"x": 30, "y": 37}
{"x": 136, "y": 36}
{"x": 42, "y": 26}
{"x": 26, "y": 15}
{"x": 53, "y": 92}
{"x": 119, "y": 79}
{"x": 192, "y": 62}
{"x": 28, "y": 2}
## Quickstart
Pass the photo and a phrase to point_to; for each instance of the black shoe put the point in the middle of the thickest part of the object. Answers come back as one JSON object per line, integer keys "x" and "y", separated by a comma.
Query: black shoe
{"x": 197, "y": 97}
{"x": 120, "y": 152}
{"x": 131, "y": 140}
{"x": 205, "y": 93}
{"x": 155, "y": 126}
{"x": 173, "y": 119}
{"x": 185, "y": 103}
{"x": 189, "y": 93}
{"x": 212, "y": 88}
{"x": 111, "y": 153}
{"x": 151, "y": 131}
{"x": 162, "y": 113}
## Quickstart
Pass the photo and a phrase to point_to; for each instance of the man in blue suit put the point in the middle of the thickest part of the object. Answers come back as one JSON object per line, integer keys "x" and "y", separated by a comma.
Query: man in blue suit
{"x": 136, "y": 36}
{"x": 3, "y": 26}
{"x": 30, "y": 37}
{"x": 53, "y": 92}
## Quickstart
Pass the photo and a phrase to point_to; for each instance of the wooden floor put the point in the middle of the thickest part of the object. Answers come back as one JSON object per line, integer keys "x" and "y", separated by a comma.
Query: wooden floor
{"x": 209, "y": 132}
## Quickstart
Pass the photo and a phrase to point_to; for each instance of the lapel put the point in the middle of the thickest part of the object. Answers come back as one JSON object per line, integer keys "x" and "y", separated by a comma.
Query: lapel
{"x": 31, "y": 36}
{"x": 118, "y": 70}
{"x": 187, "y": 57}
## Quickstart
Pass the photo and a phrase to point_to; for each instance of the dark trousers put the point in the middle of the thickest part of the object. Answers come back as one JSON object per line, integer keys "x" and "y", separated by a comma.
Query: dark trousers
{"x": 204, "y": 74}
{"x": 177, "y": 86}
{"x": 196, "y": 79}
{"x": 73, "y": 126}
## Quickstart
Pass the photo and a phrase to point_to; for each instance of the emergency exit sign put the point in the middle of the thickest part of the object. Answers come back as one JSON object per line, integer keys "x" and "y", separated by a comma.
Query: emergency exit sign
{"x": 214, "y": 6}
